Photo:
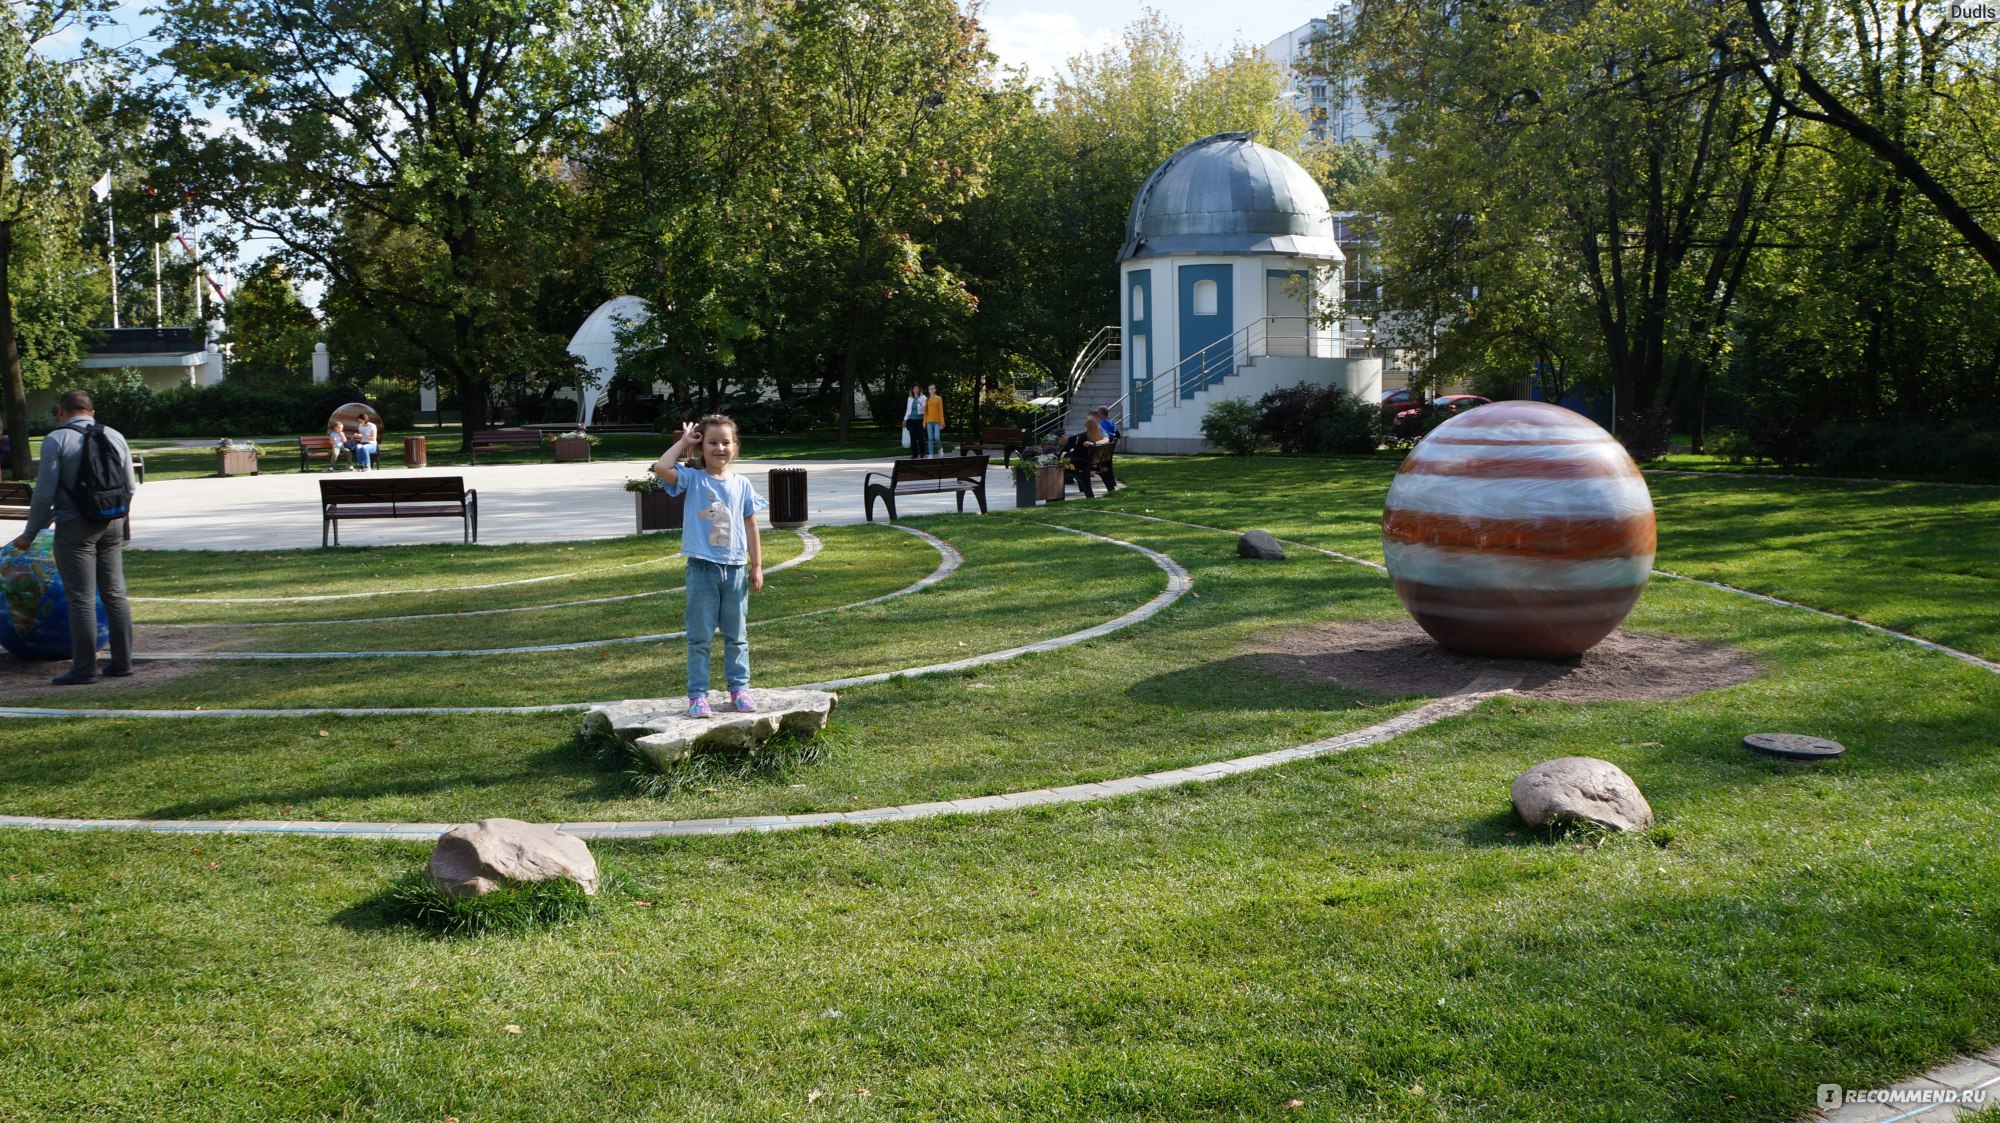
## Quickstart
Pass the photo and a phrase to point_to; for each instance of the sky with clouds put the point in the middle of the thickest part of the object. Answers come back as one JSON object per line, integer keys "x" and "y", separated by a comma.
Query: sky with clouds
{"x": 1043, "y": 35}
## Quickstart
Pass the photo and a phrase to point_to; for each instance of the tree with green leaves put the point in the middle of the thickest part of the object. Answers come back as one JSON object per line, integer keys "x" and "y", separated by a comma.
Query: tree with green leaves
{"x": 895, "y": 101}
{"x": 46, "y": 152}
{"x": 270, "y": 332}
{"x": 1627, "y": 142}
{"x": 436, "y": 129}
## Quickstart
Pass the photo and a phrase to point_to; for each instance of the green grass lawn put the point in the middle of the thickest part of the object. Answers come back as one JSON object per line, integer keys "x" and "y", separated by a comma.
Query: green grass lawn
{"x": 443, "y": 448}
{"x": 1371, "y": 934}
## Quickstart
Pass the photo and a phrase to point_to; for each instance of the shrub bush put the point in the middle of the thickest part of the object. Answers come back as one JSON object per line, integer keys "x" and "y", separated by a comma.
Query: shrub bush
{"x": 1350, "y": 425}
{"x": 1310, "y": 418}
{"x": 1231, "y": 425}
{"x": 1645, "y": 433}
{"x": 797, "y": 414}
{"x": 1783, "y": 438}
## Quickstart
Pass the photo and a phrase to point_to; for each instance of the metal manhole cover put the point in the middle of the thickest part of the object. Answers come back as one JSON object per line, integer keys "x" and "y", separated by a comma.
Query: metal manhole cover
{"x": 1795, "y": 746}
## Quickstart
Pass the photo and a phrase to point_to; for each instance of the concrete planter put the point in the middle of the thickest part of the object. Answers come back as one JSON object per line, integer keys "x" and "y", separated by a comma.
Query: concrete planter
{"x": 229, "y": 463}
{"x": 572, "y": 450}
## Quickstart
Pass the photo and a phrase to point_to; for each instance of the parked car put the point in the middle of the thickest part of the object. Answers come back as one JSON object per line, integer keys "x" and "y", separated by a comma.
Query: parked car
{"x": 1458, "y": 403}
{"x": 1396, "y": 401}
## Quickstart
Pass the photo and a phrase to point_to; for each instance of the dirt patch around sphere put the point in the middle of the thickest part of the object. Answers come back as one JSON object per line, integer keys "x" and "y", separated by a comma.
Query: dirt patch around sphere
{"x": 1397, "y": 657}
{"x": 27, "y": 680}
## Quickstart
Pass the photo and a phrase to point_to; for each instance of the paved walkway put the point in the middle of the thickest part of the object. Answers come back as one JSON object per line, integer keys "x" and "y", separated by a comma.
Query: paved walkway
{"x": 517, "y": 503}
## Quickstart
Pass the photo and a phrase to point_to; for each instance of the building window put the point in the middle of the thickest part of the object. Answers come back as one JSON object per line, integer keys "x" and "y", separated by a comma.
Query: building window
{"x": 1138, "y": 303}
{"x": 1319, "y": 91}
{"x": 1204, "y": 298}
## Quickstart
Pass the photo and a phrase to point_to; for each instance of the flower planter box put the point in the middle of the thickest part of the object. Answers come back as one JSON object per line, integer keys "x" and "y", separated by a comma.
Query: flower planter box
{"x": 572, "y": 450}
{"x": 657, "y": 510}
{"x": 1024, "y": 491}
{"x": 235, "y": 463}
{"x": 1049, "y": 484}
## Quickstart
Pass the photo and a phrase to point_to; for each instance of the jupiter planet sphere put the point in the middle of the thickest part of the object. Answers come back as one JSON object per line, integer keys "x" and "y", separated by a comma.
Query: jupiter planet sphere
{"x": 1520, "y": 530}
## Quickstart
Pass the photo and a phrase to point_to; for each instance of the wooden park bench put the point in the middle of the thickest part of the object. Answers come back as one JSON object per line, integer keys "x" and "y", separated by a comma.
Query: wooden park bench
{"x": 317, "y": 448}
{"x": 926, "y": 475}
{"x": 502, "y": 439}
{"x": 1004, "y": 438}
{"x": 396, "y": 497}
{"x": 14, "y": 499}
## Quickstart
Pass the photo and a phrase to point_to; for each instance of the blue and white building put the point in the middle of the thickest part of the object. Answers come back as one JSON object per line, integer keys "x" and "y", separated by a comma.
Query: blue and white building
{"x": 1229, "y": 287}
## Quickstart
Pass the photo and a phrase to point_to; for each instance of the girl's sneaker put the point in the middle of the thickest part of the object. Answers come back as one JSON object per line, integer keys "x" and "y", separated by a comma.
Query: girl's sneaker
{"x": 742, "y": 701}
{"x": 698, "y": 707}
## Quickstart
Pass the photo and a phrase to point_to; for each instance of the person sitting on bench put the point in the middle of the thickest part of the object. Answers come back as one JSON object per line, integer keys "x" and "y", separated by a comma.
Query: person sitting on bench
{"x": 1077, "y": 454}
{"x": 336, "y": 434}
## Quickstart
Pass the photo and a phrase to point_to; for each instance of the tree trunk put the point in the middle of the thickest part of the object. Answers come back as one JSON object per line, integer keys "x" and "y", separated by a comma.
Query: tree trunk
{"x": 10, "y": 358}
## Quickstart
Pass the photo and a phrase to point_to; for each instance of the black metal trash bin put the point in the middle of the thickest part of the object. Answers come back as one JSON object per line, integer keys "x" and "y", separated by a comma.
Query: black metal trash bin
{"x": 788, "y": 498}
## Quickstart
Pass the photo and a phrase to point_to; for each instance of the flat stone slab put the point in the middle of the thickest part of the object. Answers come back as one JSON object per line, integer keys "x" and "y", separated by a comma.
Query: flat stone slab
{"x": 661, "y": 730}
{"x": 1794, "y": 746}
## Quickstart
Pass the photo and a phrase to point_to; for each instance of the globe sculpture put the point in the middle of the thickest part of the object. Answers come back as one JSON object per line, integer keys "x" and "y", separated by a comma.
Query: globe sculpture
{"x": 1519, "y": 529}
{"x": 37, "y": 625}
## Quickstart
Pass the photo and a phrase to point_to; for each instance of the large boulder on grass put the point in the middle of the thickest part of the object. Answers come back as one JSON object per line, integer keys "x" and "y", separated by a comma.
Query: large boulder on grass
{"x": 661, "y": 731}
{"x": 1581, "y": 789}
{"x": 478, "y": 858}
{"x": 1260, "y": 545}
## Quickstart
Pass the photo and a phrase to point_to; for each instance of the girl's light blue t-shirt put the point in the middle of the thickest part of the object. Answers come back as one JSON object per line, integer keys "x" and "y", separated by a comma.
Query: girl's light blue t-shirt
{"x": 712, "y": 525}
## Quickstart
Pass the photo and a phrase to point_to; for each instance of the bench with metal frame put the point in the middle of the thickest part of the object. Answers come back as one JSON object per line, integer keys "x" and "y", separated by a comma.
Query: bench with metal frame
{"x": 923, "y": 475}
{"x": 502, "y": 439}
{"x": 397, "y": 497}
{"x": 1006, "y": 439}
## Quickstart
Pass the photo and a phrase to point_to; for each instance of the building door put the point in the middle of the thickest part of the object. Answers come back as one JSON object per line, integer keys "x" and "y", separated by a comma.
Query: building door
{"x": 1286, "y": 328}
{"x": 1138, "y": 356}
{"x": 1207, "y": 305}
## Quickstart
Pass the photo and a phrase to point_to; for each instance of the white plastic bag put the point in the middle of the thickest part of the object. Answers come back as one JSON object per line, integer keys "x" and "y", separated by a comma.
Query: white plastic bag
{"x": 906, "y": 436}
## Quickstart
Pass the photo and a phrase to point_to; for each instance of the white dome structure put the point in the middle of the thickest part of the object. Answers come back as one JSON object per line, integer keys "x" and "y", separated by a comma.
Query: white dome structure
{"x": 596, "y": 344}
{"x": 1229, "y": 286}
{"x": 1227, "y": 194}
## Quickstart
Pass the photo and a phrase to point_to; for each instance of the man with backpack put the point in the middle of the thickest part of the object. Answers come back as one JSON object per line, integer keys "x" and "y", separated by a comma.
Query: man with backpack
{"x": 84, "y": 484}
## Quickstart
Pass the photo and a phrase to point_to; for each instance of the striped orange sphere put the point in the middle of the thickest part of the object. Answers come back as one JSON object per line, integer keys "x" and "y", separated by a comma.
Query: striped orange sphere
{"x": 1519, "y": 529}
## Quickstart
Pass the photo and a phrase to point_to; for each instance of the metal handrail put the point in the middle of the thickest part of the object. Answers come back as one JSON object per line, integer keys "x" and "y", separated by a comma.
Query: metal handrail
{"x": 1210, "y": 358}
{"x": 1101, "y": 346}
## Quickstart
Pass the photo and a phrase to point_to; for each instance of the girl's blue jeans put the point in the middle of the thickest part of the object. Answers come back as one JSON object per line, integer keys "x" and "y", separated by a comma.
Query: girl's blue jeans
{"x": 933, "y": 437}
{"x": 718, "y": 596}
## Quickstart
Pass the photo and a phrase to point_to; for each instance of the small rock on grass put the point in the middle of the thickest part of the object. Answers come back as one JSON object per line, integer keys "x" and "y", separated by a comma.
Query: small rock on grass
{"x": 1574, "y": 789}
{"x": 479, "y": 858}
{"x": 1260, "y": 545}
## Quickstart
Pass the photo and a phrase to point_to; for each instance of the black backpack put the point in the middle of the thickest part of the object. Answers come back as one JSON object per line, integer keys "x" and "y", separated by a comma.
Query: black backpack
{"x": 103, "y": 488}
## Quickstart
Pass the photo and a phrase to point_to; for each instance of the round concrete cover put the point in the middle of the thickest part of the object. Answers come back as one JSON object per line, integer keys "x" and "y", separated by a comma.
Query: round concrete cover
{"x": 1794, "y": 746}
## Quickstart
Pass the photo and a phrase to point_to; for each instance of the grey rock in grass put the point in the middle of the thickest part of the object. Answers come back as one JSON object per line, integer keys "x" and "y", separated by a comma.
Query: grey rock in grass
{"x": 478, "y": 858}
{"x": 1581, "y": 789}
{"x": 1260, "y": 545}
{"x": 661, "y": 730}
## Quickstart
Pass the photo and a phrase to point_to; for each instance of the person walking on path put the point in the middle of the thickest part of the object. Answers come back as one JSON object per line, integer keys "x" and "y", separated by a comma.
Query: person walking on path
{"x": 913, "y": 421}
{"x": 90, "y": 551}
{"x": 725, "y": 557}
{"x": 934, "y": 421}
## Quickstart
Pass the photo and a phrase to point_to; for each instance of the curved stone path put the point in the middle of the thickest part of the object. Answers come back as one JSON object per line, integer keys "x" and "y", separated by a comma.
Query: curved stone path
{"x": 1928, "y": 645}
{"x": 1430, "y": 713}
{"x": 810, "y": 547}
{"x": 378, "y": 593}
{"x": 1178, "y": 584}
{"x": 949, "y": 561}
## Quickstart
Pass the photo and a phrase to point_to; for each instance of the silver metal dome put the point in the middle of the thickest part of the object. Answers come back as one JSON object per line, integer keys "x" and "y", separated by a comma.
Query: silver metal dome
{"x": 1226, "y": 194}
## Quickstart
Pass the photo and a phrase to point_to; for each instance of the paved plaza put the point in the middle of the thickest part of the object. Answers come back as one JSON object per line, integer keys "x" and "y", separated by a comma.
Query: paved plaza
{"x": 517, "y": 503}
